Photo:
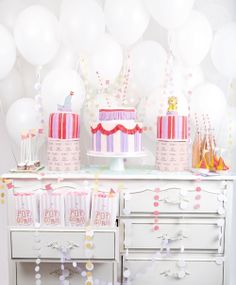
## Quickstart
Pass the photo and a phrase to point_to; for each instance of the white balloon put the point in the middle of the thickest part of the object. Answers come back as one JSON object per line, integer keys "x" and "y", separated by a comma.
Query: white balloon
{"x": 223, "y": 50}
{"x": 185, "y": 79}
{"x": 82, "y": 23}
{"x": 170, "y": 14}
{"x": 106, "y": 60}
{"x": 37, "y": 35}
{"x": 194, "y": 76}
{"x": 57, "y": 85}
{"x": 21, "y": 117}
{"x": 11, "y": 88}
{"x": 28, "y": 74}
{"x": 192, "y": 41}
{"x": 9, "y": 10}
{"x": 7, "y": 52}
{"x": 217, "y": 14}
{"x": 208, "y": 99}
{"x": 65, "y": 58}
{"x": 52, "y": 5}
{"x": 227, "y": 129}
{"x": 126, "y": 20}
{"x": 148, "y": 60}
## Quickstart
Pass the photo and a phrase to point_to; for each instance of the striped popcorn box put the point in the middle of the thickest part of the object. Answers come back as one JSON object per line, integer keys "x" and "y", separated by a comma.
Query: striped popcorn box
{"x": 51, "y": 209}
{"x": 104, "y": 207}
{"x": 25, "y": 209}
{"x": 77, "y": 208}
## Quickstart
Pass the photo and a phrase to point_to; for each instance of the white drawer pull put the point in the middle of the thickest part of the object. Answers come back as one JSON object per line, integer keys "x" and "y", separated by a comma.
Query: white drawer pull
{"x": 179, "y": 236}
{"x": 177, "y": 275}
{"x": 70, "y": 273}
{"x": 64, "y": 248}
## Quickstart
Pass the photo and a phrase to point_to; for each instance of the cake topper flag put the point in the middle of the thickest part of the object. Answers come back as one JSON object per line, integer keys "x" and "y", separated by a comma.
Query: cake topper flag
{"x": 66, "y": 107}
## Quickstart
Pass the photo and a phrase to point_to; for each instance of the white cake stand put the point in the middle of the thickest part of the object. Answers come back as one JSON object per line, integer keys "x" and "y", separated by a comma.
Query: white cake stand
{"x": 117, "y": 159}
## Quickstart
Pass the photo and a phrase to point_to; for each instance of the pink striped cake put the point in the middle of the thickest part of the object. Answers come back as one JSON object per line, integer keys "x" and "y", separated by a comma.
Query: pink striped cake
{"x": 172, "y": 142}
{"x": 63, "y": 142}
{"x": 172, "y": 127}
{"x": 64, "y": 125}
{"x": 117, "y": 132}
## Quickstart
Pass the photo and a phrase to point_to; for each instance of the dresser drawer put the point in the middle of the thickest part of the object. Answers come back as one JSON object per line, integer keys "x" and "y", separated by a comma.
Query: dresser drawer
{"x": 175, "y": 234}
{"x": 25, "y": 245}
{"x": 186, "y": 272}
{"x": 50, "y": 272}
{"x": 205, "y": 197}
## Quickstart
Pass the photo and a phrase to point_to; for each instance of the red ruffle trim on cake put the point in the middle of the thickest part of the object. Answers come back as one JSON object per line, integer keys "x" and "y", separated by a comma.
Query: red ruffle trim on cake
{"x": 116, "y": 129}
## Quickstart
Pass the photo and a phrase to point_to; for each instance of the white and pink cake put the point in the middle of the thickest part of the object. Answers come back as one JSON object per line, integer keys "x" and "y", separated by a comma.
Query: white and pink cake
{"x": 117, "y": 132}
{"x": 63, "y": 138}
{"x": 63, "y": 142}
{"x": 172, "y": 140}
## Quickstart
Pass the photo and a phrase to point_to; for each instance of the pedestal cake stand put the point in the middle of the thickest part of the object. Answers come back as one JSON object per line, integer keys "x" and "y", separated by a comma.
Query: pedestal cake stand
{"x": 117, "y": 159}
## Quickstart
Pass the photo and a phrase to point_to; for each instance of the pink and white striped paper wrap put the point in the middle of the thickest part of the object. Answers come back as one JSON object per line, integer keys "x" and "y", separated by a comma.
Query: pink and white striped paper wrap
{"x": 63, "y": 155}
{"x": 51, "y": 209}
{"x": 172, "y": 127}
{"x": 77, "y": 208}
{"x": 63, "y": 125}
{"x": 25, "y": 209}
{"x": 104, "y": 208}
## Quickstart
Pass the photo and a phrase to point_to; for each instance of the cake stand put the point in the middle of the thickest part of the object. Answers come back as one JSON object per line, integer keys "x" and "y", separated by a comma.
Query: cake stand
{"x": 117, "y": 159}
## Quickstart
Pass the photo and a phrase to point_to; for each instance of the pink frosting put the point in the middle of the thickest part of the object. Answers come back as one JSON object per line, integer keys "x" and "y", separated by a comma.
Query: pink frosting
{"x": 117, "y": 114}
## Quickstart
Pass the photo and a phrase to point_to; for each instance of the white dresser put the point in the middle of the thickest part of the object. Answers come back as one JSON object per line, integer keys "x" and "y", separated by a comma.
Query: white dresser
{"x": 171, "y": 229}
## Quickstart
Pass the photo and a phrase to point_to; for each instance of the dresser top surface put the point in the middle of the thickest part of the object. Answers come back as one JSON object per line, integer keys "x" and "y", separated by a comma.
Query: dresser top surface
{"x": 128, "y": 174}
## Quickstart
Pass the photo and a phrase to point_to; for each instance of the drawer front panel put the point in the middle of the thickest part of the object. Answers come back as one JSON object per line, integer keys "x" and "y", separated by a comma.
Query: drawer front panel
{"x": 174, "y": 197}
{"x": 170, "y": 273}
{"x": 23, "y": 244}
{"x": 50, "y": 272}
{"x": 176, "y": 234}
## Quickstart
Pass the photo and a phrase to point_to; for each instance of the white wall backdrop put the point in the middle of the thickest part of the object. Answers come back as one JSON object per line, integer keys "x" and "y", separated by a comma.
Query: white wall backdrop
{"x": 218, "y": 13}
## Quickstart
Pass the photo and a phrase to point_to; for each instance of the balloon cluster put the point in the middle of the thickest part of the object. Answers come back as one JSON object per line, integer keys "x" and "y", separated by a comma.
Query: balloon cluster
{"x": 83, "y": 45}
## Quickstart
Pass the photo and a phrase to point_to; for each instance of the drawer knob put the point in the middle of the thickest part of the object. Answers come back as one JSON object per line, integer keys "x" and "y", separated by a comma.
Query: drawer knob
{"x": 177, "y": 275}
{"x": 63, "y": 248}
{"x": 179, "y": 236}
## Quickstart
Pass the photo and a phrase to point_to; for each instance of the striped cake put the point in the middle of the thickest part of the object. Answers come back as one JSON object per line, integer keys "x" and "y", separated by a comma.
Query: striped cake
{"x": 63, "y": 142}
{"x": 172, "y": 140}
{"x": 117, "y": 132}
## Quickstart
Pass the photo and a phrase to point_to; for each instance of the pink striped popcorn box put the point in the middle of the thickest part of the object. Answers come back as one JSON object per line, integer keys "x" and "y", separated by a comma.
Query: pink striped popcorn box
{"x": 104, "y": 209}
{"x": 51, "y": 209}
{"x": 26, "y": 213}
{"x": 77, "y": 208}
